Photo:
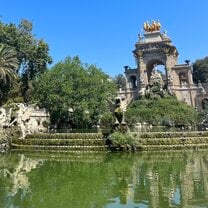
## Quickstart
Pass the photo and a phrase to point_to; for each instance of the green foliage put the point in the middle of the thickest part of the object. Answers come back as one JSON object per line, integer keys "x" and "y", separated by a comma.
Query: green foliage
{"x": 32, "y": 53}
{"x": 200, "y": 70}
{"x": 8, "y": 63}
{"x": 8, "y": 66}
{"x": 72, "y": 84}
{"x": 120, "y": 81}
{"x": 12, "y": 94}
{"x": 121, "y": 141}
{"x": 160, "y": 111}
{"x": 107, "y": 120}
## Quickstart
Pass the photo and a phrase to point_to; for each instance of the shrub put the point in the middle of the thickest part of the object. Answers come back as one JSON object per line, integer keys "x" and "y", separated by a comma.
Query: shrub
{"x": 107, "y": 120}
{"x": 167, "y": 111}
{"x": 121, "y": 141}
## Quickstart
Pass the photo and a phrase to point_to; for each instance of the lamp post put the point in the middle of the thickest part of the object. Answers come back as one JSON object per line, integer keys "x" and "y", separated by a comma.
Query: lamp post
{"x": 87, "y": 116}
{"x": 70, "y": 114}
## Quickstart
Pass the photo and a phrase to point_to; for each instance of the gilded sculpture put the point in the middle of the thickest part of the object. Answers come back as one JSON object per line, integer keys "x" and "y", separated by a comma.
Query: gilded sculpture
{"x": 155, "y": 26}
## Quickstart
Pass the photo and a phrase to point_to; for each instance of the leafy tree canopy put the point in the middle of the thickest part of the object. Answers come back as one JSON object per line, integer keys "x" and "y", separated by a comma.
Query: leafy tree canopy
{"x": 8, "y": 66}
{"x": 200, "y": 70}
{"x": 32, "y": 53}
{"x": 161, "y": 111}
{"x": 70, "y": 84}
{"x": 120, "y": 81}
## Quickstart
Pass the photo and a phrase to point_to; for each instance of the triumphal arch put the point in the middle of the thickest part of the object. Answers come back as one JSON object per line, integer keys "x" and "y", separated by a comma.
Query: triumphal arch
{"x": 153, "y": 50}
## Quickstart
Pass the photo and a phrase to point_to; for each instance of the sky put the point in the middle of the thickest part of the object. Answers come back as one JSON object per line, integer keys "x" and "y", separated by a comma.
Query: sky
{"x": 104, "y": 32}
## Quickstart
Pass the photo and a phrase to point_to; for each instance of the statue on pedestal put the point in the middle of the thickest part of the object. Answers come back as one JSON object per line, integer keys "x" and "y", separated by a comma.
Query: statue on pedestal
{"x": 119, "y": 114}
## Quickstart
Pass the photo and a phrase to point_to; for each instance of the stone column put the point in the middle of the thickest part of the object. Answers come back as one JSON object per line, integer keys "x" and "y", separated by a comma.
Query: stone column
{"x": 141, "y": 69}
{"x": 190, "y": 80}
{"x": 128, "y": 84}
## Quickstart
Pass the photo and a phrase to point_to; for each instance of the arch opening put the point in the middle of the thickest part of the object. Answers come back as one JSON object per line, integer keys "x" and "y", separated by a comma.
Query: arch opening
{"x": 133, "y": 82}
{"x": 158, "y": 66}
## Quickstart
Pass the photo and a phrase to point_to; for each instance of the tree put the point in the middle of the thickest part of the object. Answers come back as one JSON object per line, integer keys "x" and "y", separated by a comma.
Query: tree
{"x": 32, "y": 53}
{"x": 70, "y": 84}
{"x": 8, "y": 66}
{"x": 200, "y": 70}
{"x": 120, "y": 81}
{"x": 8, "y": 63}
{"x": 161, "y": 111}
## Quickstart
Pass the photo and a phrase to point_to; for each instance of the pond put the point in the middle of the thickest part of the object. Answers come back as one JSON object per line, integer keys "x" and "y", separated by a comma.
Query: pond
{"x": 110, "y": 180}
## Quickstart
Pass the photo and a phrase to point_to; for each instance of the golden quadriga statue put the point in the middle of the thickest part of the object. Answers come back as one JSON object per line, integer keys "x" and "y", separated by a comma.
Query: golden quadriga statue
{"x": 155, "y": 26}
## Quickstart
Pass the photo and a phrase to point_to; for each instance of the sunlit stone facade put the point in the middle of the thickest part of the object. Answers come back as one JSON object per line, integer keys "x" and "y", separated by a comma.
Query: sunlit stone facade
{"x": 155, "y": 49}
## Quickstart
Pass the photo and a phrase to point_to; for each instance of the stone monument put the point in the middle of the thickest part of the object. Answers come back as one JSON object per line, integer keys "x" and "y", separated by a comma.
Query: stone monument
{"x": 155, "y": 48}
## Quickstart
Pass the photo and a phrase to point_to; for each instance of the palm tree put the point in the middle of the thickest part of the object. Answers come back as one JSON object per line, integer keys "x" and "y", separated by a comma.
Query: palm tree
{"x": 8, "y": 64}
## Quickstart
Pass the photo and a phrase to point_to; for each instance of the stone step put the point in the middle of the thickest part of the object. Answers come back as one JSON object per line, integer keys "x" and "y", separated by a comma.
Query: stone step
{"x": 172, "y": 141}
{"x": 66, "y": 147}
{"x": 60, "y": 142}
{"x": 65, "y": 136}
{"x": 170, "y": 134}
{"x": 173, "y": 147}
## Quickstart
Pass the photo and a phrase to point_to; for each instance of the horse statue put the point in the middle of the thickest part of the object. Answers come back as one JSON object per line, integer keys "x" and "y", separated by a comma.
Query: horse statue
{"x": 155, "y": 26}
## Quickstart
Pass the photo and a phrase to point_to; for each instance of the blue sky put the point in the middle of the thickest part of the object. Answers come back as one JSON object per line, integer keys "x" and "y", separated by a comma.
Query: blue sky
{"x": 104, "y": 32}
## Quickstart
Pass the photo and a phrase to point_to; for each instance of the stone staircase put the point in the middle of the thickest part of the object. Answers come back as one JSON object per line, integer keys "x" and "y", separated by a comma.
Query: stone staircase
{"x": 61, "y": 141}
{"x": 92, "y": 142}
{"x": 171, "y": 140}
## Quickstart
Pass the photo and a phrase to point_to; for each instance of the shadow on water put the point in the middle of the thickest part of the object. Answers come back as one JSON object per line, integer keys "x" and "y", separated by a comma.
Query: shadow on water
{"x": 82, "y": 180}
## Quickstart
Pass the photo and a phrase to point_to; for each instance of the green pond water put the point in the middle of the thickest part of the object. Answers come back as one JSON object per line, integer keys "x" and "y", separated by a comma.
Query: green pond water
{"x": 110, "y": 180}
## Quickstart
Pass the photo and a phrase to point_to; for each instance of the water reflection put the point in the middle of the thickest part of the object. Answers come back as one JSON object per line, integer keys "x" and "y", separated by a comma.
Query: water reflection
{"x": 164, "y": 179}
{"x": 18, "y": 179}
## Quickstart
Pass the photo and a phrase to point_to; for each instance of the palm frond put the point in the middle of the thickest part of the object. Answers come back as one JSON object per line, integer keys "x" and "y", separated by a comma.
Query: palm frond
{"x": 8, "y": 64}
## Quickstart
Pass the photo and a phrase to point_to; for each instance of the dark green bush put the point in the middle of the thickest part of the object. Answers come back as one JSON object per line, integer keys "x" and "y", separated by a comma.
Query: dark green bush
{"x": 107, "y": 120}
{"x": 121, "y": 141}
{"x": 167, "y": 111}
